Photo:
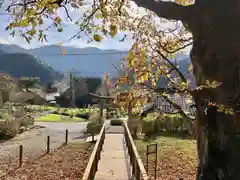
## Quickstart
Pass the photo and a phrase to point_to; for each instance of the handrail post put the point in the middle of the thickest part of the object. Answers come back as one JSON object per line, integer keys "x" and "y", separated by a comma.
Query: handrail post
{"x": 20, "y": 155}
{"x": 92, "y": 136}
{"x": 66, "y": 136}
{"x": 137, "y": 173}
{"x": 138, "y": 169}
{"x": 134, "y": 166}
{"x": 92, "y": 166}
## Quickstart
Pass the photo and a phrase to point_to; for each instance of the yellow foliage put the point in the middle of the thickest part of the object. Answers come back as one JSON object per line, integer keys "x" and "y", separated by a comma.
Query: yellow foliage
{"x": 63, "y": 51}
{"x": 153, "y": 45}
{"x": 184, "y": 2}
{"x": 97, "y": 37}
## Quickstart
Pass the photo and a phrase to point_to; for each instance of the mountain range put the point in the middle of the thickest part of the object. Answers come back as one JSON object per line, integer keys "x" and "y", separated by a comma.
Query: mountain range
{"x": 89, "y": 61}
{"x": 83, "y": 61}
{"x": 19, "y": 64}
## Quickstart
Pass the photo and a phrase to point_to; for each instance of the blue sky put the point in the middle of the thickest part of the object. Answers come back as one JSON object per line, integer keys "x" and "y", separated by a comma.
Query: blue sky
{"x": 54, "y": 37}
{"x": 69, "y": 29}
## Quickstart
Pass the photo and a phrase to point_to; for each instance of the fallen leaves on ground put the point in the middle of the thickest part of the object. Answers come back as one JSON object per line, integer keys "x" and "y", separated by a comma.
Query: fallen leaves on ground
{"x": 66, "y": 163}
{"x": 176, "y": 158}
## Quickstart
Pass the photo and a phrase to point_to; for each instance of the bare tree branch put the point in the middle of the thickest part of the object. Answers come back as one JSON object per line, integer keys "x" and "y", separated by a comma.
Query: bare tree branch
{"x": 66, "y": 11}
{"x": 178, "y": 107}
{"x": 173, "y": 66}
{"x": 177, "y": 49}
{"x": 101, "y": 97}
{"x": 119, "y": 72}
{"x": 32, "y": 3}
{"x": 160, "y": 91}
{"x": 168, "y": 10}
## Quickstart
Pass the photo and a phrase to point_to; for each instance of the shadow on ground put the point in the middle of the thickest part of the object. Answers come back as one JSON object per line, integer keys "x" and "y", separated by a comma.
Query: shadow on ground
{"x": 176, "y": 135}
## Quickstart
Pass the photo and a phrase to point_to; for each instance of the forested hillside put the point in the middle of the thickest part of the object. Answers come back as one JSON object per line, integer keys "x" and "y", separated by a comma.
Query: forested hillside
{"x": 26, "y": 65}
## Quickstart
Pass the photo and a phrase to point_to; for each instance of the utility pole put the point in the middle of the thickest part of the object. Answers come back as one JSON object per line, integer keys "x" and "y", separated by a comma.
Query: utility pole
{"x": 72, "y": 90}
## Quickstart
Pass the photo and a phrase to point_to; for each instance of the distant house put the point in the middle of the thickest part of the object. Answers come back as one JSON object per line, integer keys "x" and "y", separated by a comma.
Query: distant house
{"x": 61, "y": 87}
{"x": 51, "y": 97}
{"x": 27, "y": 97}
{"x": 81, "y": 90}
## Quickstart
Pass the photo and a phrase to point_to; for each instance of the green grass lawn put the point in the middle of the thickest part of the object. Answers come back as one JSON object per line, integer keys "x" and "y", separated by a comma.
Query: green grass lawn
{"x": 78, "y": 110}
{"x": 59, "y": 118}
{"x": 177, "y": 157}
{"x": 151, "y": 116}
{"x": 70, "y": 111}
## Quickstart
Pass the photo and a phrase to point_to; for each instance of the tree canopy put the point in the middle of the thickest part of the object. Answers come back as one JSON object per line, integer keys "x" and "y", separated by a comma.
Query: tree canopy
{"x": 159, "y": 30}
{"x": 155, "y": 40}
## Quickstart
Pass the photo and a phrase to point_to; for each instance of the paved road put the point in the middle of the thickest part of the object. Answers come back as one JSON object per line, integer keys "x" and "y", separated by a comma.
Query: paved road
{"x": 44, "y": 113}
{"x": 34, "y": 144}
{"x": 62, "y": 126}
{"x": 34, "y": 141}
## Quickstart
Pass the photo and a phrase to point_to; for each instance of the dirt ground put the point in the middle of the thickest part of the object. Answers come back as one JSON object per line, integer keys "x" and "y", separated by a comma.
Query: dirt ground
{"x": 176, "y": 158}
{"x": 34, "y": 146}
{"x": 66, "y": 163}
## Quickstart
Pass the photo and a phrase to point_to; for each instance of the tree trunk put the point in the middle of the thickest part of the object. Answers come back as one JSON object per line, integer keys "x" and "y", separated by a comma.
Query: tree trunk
{"x": 218, "y": 146}
{"x": 216, "y": 56}
{"x": 215, "y": 26}
{"x": 101, "y": 108}
{"x": 129, "y": 111}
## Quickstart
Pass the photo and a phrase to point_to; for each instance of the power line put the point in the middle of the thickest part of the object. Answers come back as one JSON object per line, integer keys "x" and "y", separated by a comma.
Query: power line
{"x": 79, "y": 72}
{"x": 81, "y": 54}
{"x": 6, "y": 14}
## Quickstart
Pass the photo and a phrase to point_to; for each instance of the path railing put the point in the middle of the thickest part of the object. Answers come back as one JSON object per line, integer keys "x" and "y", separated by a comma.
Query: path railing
{"x": 92, "y": 166}
{"x": 138, "y": 170}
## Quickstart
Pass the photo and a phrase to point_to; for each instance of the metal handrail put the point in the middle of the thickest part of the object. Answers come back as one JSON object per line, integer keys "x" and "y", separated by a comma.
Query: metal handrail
{"x": 138, "y": 169}
{"x": 92, "y": 166}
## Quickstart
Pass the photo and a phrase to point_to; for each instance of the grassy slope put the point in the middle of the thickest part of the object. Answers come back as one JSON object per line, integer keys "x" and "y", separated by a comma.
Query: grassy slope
{"x": 176, "y": 157}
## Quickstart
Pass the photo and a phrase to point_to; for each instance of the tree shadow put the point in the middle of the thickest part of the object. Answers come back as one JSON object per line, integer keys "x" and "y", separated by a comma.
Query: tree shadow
{"x": 4, "y": 139}
{"x": 177, "y": 135}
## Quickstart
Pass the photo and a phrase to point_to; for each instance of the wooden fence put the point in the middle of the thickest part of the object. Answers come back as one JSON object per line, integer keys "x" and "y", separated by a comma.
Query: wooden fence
{"x": 92, "y": 166}
{"x": 138, "y": 169}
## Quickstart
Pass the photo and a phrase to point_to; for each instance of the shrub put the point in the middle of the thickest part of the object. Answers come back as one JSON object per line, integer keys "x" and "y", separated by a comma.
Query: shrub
{"x": 93, "y": 128}
{"x": 84, "y": 116}
{"x": 2, "y": 116}
{"x": 112, "y": 113}
{"x": 134, "y": 127}
{"x": 148, "y": 127}
{"x": 30, "y": 110}
{"x": 22, "y": 129}
{"x": 19, "y": 113}
{"x": 9, "y": 129}
{"x": 55, "y": 112}
{"x": 64, "y": 114}
{"x": 27, "y": 121}
{"x": 167, "y": 123}
{"x": 176, "y": 123}
{"x": 116, "y": 122}
{"x": 95, "y": 117}
{"x": 95, "y": 123}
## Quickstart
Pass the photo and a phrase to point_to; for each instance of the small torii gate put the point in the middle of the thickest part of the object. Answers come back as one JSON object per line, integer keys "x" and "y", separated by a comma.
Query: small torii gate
{"x": 103, "y": 100}
{"x": 119, "y": 97}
